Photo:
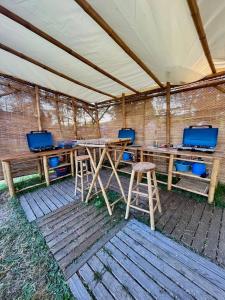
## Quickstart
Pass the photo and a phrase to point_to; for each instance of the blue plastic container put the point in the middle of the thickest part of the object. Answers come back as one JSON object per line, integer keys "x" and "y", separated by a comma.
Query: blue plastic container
{"x": 127, "y": 156}
{"x": 182, "y": 166}
{"x": 53, "y": 161}
{"x": 198, "y": 169}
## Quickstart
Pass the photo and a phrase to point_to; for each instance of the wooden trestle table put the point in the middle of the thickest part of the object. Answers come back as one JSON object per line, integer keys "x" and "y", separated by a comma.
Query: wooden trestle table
{"x": 105, "y": 145}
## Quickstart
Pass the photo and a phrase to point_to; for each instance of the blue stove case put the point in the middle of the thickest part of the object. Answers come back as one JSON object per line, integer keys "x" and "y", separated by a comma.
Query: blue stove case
{"x": 40, "y": 141}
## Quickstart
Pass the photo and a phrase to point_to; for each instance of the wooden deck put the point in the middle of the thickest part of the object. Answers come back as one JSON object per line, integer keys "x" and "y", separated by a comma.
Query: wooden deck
{"x": 105, "y": 257}
{"x": 197, "y": 225}
{"x": 139, "y": 264}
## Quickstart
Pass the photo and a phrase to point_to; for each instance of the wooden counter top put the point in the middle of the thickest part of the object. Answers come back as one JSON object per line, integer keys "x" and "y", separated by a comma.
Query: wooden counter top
{"x": 29, "y": 155}
{"x": 216, "y": 154}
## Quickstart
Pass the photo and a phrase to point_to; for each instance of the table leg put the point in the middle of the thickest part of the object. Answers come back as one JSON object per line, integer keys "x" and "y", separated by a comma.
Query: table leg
{"x": 116, "y": 164}
{"x": 96, "y": 176}
{"x": 72, "y": 163}
{"x": 170, "y": 172}
{"x": 117, "y": 177}
{"x": 214, "y": 178}
{"x": 45, "y": 165}
{"x": 8, "y": 174}
{"x": 39, "y": 168}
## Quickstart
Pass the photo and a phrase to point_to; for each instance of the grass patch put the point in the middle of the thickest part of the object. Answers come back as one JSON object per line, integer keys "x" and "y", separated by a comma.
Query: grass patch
{"x": 27, "y": 269}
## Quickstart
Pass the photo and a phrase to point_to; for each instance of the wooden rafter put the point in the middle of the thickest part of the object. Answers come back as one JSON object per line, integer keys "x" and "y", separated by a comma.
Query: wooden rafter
{"x": 195, "y": 13}
{"x": 220, "y": 88}
{"x": 105, "y": 26}
{"x": 8, "y": 93}
{"x": 168, "y": 131}
{"x": 60, "y": 45}
{"x": 49, "y": 69}
{"x": 161, "y": 92}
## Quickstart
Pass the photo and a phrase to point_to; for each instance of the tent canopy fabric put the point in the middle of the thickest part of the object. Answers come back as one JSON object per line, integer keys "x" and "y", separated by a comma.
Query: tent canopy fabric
{"x": 160, "y": 32}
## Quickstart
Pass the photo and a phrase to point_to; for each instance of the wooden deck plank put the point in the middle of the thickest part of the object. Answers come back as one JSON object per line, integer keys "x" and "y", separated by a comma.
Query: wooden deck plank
{"x": 108, "y": 280}
{"x": 146, "y": 282}
{"x": 56, "y": 195}
{"x": 47, "y": 201}
{"x": 78, "y": 289}
{"x": 211, "y": 276}
{"x": 68, "y": 229}
{"x": 179, "y": 229}
{"x": 27, "y": 209}
{"x": 40, "y": 203}
{"x": 55, "y": 216}
{"x": 97, "y": 288}
{"x": 53, "y": 198}
{"x": 177, "y": 215}
{"x": 62, "y": 193}
{"x": 85, "y": 244}
{"x": 127, "y": 246}
{"x": 200, "y": 237}
{"x": 211, "y": 246}
{"x": 69, "y": 242}
{"x": 171, "y": 208}
{"x": 122, "y": 276}
{"x": 221, "y": 248}
{"x": 66, "y": 255}
{"x": 204, "y": 285}
{"x": 36, "y": 209}
{"x": 191, "y": 228}
{"x": 82, "y": 259}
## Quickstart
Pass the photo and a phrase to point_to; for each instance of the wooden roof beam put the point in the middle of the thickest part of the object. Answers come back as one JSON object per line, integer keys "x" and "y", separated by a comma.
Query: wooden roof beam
{"x": 195, "y": 13}
{"x": 60, "y": 45}
{"x": 105, "y": 26}
{"x": 49, "y": 69}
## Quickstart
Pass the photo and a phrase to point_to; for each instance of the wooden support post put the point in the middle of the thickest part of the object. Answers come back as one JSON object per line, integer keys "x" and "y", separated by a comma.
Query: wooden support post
{"x": 123, "y": 111}
{"x": 168, "y": 141}
{"x": 97, "y": 121}
{"x": 170, "y": 172}
{"x": 74, "y": 107}
{"x": 45, "y": 164}
{"x": 72, "y": 162}
{"x": 143, "y": 128}
{"x": 38, "y": 108}
{"x": 214, "y": 179}
{"x": 8, "y": 174}
{"x": 58, "y": 117}
{"x": 39, "y": 168}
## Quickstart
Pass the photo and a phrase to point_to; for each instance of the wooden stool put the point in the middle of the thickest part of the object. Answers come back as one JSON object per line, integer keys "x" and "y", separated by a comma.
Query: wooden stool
{"x": 82, "y": 172}
{"x": 153, "y": 193}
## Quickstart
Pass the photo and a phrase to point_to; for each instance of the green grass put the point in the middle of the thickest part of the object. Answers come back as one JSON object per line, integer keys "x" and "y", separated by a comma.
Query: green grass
{"x": 22, "y": 182}
{"x": 27, "y": 269}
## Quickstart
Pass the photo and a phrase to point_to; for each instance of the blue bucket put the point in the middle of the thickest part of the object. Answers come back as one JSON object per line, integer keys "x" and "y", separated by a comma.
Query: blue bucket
{"x": 53, "y": 161}
{"x": 127, "y": 156}
{"x": 182, "y": 166}
{"x": 198, "y": 169}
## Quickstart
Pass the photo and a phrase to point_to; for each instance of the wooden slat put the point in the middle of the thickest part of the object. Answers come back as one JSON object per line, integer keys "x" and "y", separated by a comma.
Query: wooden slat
{"x": 27, "y": 209}
{"x": 211, "y": 246}
{"x": 47, "y": 201}
{"x": 221, "y": 248}
{"x": 206, "y": 268}
{"x": 108, "y": 280}
{"x": 40, "y": 203}
{"x": 36, "y": 209}
{"x": 199, "y": 240}
{"x": 125, "y": 278}
{"x": 61, "y": 193}
{"x": 80, "y": 261}
{"x": 203, "y": 286}
{"x": 147, "y": 283}
{"x": 78, "y": 289}
{"x": 131, "y": 250}
{"x": 97, "y": 288}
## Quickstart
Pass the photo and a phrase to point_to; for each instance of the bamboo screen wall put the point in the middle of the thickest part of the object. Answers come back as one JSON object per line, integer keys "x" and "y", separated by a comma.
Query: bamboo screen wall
{"x": 148, "y": 118}
{"x": 18, "y": 116}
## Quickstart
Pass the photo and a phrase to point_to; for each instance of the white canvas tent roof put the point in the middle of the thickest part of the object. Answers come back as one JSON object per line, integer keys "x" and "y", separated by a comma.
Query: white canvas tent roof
{"x": 161, "y": 33}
